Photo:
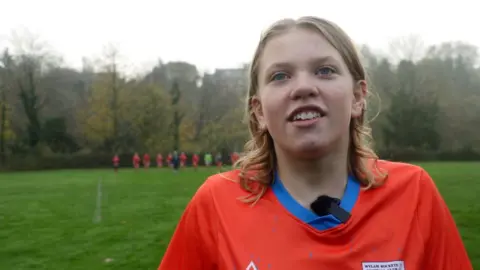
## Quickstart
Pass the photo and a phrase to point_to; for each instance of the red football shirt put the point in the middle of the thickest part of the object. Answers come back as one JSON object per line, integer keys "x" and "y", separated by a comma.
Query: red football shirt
{"x": 116, "y": 160}
{"x": 234, "y": 157}
{"x": 405, "y": 224}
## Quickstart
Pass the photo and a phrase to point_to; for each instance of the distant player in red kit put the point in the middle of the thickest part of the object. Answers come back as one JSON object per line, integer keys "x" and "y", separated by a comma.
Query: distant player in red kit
{"x": 234, "y": 157}
{"x": 116, "y": 163}
{"x": 146, "y": 160}
{"x": 183, "y": 159}
{"x": 136, "y": 160}
{"x": 195, "y": 160}
{"x": 159, "y": 160}
{"x": 169, "y": 159}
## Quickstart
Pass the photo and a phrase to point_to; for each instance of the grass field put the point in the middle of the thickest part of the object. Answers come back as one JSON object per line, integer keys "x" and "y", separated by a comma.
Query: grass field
{"x": 49, "y": 220}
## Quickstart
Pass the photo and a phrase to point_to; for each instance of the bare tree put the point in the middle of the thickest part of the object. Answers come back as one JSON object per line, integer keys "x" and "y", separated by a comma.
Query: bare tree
{"x": 109, "y": 64}
{"x": 33, "y": 59}
{"x": 410, "y": 47}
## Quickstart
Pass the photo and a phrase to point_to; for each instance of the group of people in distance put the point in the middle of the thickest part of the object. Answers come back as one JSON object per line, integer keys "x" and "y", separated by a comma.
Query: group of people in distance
{"x": 175, "y": 161}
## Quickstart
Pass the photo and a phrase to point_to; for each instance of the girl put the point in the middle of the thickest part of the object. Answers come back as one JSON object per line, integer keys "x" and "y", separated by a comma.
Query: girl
{"x": 313, "y": 194}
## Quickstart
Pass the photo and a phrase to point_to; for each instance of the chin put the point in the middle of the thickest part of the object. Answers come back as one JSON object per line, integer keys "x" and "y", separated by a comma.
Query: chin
{"x": 308, "y": 149}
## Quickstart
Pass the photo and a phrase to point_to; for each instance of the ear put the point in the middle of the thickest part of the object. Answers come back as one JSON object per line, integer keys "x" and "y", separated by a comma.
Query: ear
{"x": 257, "y": 110}
{"x": 359, "y": 98}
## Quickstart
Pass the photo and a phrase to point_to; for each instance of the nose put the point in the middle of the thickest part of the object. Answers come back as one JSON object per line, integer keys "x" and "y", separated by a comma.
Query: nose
{"x": 304, "y": 86}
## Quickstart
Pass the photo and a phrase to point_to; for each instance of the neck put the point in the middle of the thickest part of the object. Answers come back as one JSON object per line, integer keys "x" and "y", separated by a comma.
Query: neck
{"x": 305, "y": 180}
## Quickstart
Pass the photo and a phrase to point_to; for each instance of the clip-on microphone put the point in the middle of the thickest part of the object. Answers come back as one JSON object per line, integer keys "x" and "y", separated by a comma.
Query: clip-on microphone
{"x": 325, "y": 205}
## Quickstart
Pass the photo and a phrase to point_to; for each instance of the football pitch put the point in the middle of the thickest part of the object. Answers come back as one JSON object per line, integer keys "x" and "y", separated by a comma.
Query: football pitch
{"x": 94, "y": 219}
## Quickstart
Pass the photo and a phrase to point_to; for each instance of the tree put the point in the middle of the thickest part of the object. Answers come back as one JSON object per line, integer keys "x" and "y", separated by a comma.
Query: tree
{"x": 57, "y": 137}
{"x": 33, "y": 59}
{"x": 149, "y": 116}
{"x": 206, "y": 105}
{"x": 449, "y": 71}
{"x": 110, "y": 68}
{"x": 32, "y": 103}
{"x": 410, "y": 48}
{"x": 6, "y": 75}
{"x": 101, "y": 116}
{"x": 176, "y": 95}
{"x": 382, "y": 86}
{"x": 412, "y": 118}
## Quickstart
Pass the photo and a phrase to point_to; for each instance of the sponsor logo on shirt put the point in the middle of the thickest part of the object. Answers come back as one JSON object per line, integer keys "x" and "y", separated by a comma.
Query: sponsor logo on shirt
{"x": 393, "y": 265}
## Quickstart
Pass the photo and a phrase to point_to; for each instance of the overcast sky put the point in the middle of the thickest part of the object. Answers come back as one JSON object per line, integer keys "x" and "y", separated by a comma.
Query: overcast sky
{"x": 221, "y": 33}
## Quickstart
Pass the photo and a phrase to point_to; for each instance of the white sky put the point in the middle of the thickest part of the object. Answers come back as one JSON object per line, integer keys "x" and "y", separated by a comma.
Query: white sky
{"x": 216, "y": 33}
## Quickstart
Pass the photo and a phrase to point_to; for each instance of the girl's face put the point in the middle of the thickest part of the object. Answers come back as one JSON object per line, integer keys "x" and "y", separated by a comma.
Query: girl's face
{"x": 306, "y": 96}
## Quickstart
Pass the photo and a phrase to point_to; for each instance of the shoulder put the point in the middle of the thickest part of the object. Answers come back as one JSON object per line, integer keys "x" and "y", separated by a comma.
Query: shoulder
{"x": 407, "y": 193}
{"x": 395, "y": 168}
{"x": 405, "y": 184}
{"x": 219, "y": 190}
{"x": 403, "y": 175}
{"x": 223, "y": 182}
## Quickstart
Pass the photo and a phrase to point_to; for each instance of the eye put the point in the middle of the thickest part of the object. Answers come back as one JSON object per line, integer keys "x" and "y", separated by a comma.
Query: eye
{"x": 279, "y": 76}
{"x": 325, "y": 71}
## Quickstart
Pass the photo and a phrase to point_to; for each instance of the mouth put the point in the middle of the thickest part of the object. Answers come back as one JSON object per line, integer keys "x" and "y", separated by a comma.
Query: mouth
{"x": 306, "y": 113}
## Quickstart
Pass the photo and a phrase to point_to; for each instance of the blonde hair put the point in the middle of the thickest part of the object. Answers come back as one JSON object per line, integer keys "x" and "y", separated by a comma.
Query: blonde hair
{"x": 259, "y": 154}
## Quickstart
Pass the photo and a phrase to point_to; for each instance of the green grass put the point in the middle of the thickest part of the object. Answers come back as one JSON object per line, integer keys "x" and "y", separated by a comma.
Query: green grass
{"x": 459, "y": 184}
{"x": 47, "y": 218}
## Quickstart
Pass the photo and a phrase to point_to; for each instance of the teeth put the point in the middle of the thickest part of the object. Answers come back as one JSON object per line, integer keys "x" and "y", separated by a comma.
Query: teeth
{"x": 306, "y": 116}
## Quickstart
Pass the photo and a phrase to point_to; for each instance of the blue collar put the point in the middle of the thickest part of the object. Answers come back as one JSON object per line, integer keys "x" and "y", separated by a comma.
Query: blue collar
{"x": 349, "y": 199}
